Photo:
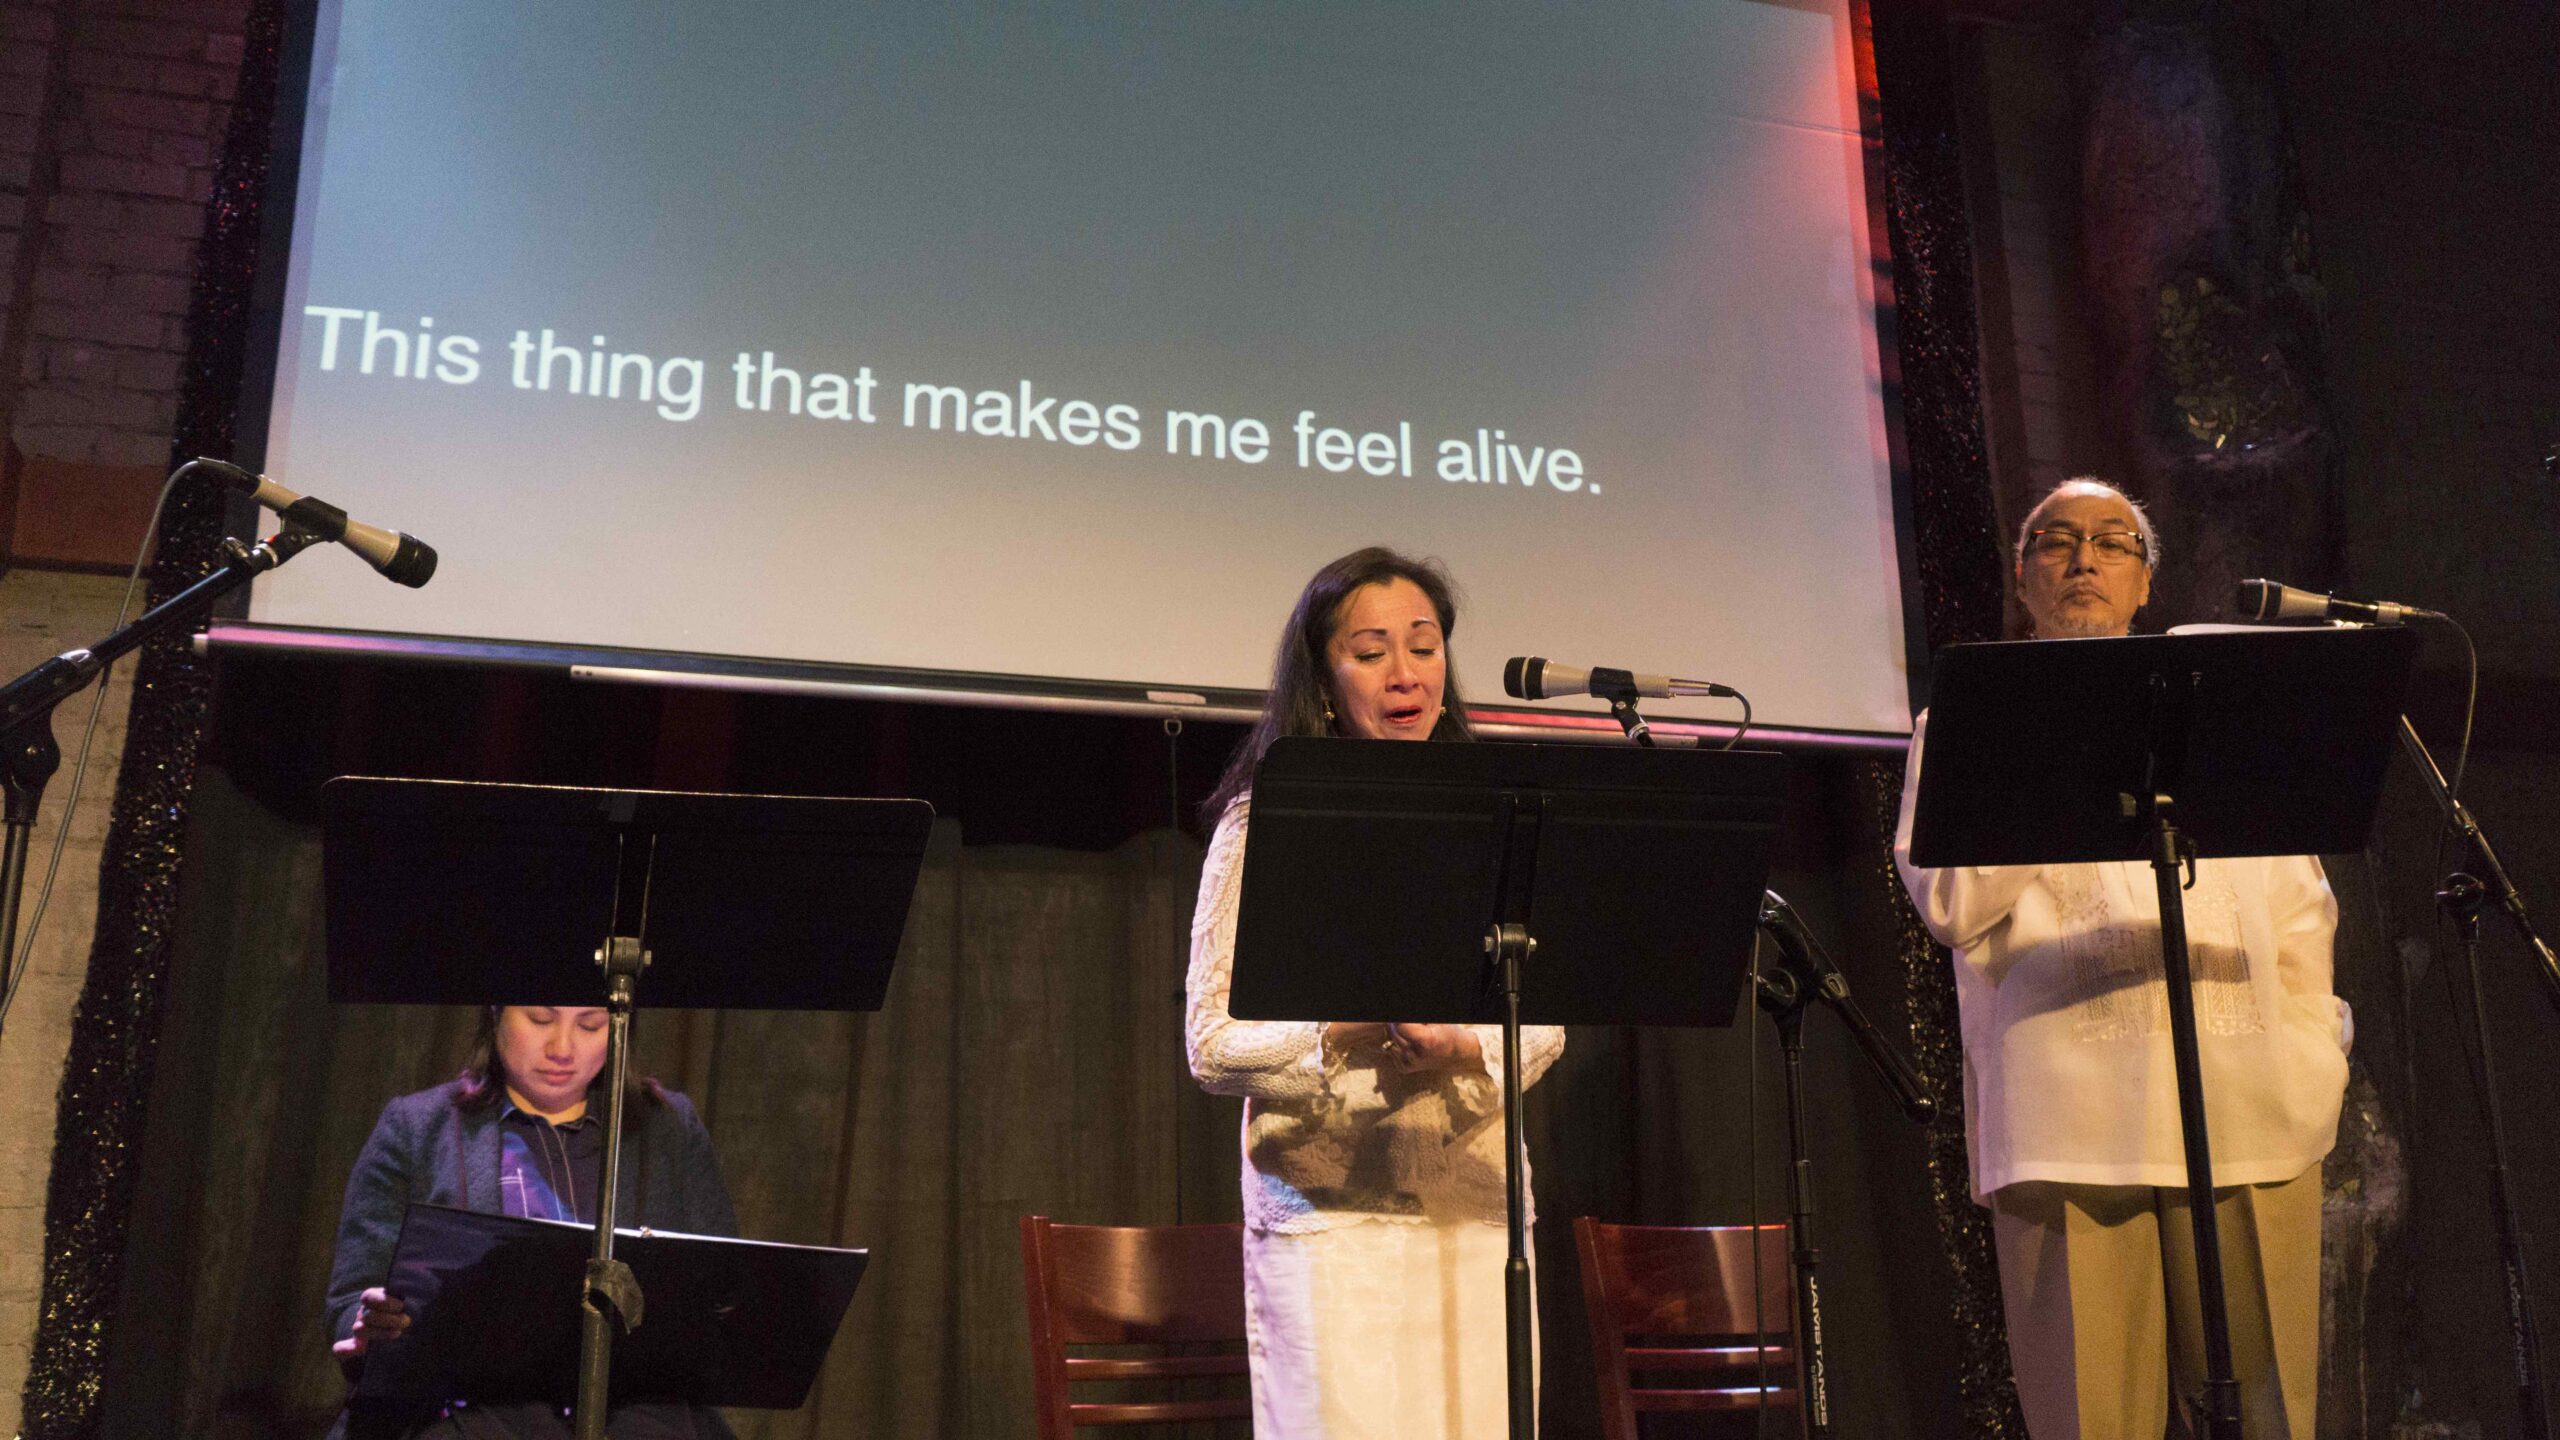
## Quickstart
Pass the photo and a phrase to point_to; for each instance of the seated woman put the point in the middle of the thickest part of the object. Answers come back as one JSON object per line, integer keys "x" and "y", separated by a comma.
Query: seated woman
{"x": 1375, "y": 1227}
{"x": 519, "y": 1132}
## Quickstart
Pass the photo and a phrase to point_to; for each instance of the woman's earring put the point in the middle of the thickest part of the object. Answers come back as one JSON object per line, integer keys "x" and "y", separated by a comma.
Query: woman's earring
{"x": 1328, "y": 714}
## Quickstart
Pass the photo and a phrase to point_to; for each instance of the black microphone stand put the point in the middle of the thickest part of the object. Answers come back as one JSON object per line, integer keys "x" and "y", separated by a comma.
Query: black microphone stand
{"x": 1508, "y": 947}
{"x": 1805, "y": 976}
{"x": 28, "y": 752}
{"x": 1808, "y": 975}
{"x": 2215, "y": 1412}
{"x": 2462, "y": 897}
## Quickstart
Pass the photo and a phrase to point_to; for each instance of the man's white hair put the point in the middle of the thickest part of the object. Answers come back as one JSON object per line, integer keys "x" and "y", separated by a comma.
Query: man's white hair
{"x": 2079, "y": 485}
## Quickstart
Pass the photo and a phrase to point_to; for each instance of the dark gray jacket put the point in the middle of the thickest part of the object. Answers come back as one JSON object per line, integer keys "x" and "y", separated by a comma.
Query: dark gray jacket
{"x": 425, "y": 1149}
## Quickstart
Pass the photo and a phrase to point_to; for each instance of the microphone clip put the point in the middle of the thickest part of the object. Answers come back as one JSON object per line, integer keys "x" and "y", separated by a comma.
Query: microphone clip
{"x": 1622, "y": 708}
{"x": 288, "y": 541}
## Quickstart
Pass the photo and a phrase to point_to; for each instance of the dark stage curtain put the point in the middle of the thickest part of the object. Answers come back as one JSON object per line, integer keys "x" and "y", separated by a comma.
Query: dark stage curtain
{"x": 1029, "y": 1060}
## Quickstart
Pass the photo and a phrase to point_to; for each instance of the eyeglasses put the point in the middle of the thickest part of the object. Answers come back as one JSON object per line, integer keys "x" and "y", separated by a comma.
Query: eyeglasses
{"x": 2110, "y": 547}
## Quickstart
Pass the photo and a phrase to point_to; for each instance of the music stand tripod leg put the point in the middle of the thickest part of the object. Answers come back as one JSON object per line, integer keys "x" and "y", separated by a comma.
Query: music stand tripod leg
{"x": 612, "y": 1295}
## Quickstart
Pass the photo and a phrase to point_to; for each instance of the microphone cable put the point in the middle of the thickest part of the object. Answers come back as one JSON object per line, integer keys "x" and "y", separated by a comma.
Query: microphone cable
{"x": 1182, "y": 994}
{"x": 1173, "y": 772}
{"x": 2461, "y": 763}
{"x": 1735, "y": 739}
{"x": 2470, "y": 705}
{"x": 2444, "y": 836}
{"x": 19, "y": 964}
{"x": 1751, "y": 1128}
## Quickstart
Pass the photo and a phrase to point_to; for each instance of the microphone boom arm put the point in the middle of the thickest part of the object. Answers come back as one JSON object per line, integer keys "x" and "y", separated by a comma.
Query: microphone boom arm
{"x": 2502, "y": 891}
{"x": 1820, "y": 979}
{"x": 28, "y": 752}
{"x": 33, "y": 695}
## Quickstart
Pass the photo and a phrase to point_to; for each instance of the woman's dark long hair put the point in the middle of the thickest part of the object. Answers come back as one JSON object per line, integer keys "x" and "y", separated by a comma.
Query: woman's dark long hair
{"x": 1299, "y": 702}
{"x": 484, "y": 1078}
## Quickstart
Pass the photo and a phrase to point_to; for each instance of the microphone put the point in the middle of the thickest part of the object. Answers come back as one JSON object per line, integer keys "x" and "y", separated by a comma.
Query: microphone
{"x": 2269, "y": 600}
{"x": 402, "y": 557}
{"x": 1534, "y": 677}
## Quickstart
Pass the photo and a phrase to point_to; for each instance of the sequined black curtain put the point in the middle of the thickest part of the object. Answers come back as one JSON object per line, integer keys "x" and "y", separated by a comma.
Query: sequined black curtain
{"x": 1936, "y": 368}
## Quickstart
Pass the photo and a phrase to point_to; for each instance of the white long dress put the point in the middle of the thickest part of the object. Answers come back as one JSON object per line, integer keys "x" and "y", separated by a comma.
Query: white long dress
{"x": 1373, "y": 1208}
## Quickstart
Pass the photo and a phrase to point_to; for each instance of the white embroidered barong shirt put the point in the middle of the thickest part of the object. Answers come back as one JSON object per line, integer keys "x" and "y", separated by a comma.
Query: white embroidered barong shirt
{"x": 2067, "y": 1068}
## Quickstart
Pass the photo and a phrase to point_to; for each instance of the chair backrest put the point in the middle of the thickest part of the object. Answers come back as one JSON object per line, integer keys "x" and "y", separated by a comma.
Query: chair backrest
{"x": 1119, "y": 1285}
{"x": 1674, "y": 1304}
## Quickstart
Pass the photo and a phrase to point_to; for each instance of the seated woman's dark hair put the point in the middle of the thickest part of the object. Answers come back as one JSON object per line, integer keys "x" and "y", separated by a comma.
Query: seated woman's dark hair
{"x": 484, "y": 1076}
{"x": 1299, "y": 702}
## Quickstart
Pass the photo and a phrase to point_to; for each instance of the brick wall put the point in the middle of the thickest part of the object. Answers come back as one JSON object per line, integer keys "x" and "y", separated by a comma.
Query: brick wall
{"x": 111, "y": 115}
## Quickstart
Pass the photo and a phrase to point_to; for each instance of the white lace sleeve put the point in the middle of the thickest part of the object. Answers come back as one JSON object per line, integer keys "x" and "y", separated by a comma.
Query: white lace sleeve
{"x": 1265, "y": 1059}
{"x": 1539, "y": 1047}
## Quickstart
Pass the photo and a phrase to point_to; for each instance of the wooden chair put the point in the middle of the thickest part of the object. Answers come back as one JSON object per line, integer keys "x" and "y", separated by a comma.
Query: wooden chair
{"x": 1675, "y": 1303}
{"x": 1166, "y": 1285}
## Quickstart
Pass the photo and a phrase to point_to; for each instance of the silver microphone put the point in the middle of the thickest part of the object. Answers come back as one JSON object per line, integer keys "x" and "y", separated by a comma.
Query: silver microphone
{"x": 1534, "y": 677}
{"x": 402, "y": 557}
{"x": 2270, "y": 600}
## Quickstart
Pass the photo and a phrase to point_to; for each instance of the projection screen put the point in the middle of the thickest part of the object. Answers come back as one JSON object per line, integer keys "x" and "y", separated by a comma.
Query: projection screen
{"x": 1063, "y": 342}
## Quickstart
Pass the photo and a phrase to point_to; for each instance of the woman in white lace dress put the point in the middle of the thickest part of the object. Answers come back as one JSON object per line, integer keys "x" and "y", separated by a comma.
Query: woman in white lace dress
{"x": 1373, "y": 1153}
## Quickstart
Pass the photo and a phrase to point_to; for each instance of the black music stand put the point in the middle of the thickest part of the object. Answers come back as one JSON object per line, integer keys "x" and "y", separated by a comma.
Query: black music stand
{"x": 1633, "y": 877}
{"x": 743, "y": 1323}
{"x": 454, "y": 893}
{"x": 2163, "y": 749}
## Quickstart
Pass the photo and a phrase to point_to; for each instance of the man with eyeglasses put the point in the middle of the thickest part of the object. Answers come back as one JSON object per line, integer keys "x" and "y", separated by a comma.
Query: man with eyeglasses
{"x": 2071, "y": 1111}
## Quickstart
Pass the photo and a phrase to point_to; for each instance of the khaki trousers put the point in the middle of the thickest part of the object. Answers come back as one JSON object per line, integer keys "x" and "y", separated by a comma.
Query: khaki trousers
{"x": 2103, "y": 1315}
